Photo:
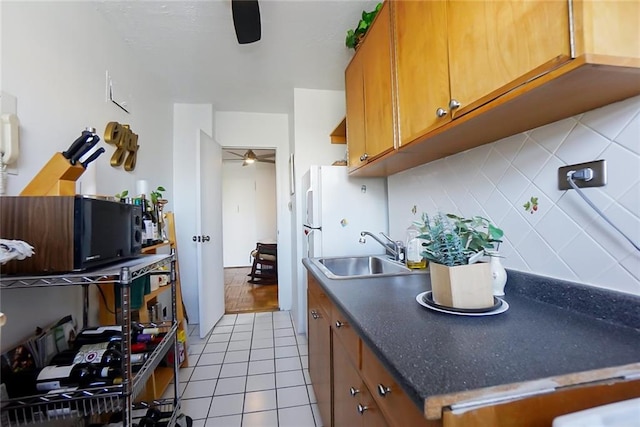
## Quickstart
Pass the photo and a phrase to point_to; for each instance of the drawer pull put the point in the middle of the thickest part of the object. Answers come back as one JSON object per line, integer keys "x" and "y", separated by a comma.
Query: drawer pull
{"x": 339, "y": 324}
{"x": 383, "y": 390}
{"x": 353, "y": 391}
{"x": 362, "y": 409}
{"x": 315, "y": 315}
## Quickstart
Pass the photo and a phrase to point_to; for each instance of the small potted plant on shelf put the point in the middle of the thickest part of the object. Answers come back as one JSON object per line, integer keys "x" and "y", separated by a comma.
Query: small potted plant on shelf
{"x": 454, "y": 245}
{"x": 355, "y": 36}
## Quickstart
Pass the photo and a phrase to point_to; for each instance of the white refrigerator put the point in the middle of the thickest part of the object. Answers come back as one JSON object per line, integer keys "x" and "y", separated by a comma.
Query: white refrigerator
{"x": 337, "y": 208}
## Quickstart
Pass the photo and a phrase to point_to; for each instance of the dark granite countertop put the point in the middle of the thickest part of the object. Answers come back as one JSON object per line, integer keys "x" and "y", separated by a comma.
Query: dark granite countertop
{"x": 441, "y": 359}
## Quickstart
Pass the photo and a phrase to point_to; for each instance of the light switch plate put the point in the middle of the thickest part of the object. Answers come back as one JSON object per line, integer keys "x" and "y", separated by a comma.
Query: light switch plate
{"x": 599, "y": 168}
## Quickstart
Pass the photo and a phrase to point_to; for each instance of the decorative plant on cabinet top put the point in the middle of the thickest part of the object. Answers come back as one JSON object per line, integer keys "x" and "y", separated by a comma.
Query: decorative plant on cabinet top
{"x": 355, "y": 36}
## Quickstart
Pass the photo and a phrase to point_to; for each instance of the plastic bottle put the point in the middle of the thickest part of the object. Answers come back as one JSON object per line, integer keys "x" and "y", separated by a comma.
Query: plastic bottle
{"x": 414, "y": 257}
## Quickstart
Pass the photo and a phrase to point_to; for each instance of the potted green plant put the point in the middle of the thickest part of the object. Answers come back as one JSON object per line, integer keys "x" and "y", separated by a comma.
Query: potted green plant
{"x": 454, "y": 245}
{"x": 157, "y": 195}
{"x": 355, "y": 36}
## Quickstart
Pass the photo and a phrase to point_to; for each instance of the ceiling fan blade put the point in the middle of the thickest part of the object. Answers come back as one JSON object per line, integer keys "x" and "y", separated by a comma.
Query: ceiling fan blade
{"x": 246, "y": 20}
{"x": 236, "y": 154}
{"x": 266, "y": 161}
{"x": 265, "y": 157}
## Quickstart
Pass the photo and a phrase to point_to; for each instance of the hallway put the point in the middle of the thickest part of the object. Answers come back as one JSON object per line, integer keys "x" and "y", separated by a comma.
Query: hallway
{"x": 240, "y": 296}
{"x": 250, "y": 371}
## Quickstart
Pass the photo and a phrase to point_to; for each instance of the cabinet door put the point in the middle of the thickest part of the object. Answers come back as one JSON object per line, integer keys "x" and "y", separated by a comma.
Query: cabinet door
{"x": 378, "y": 98}
{"x": 422, "y": 66}
{"x": 347, "y": 389}
{"x": 497, "y": 45}
{"x": 319, "y": 357}
{"x": 354, "y": 90}
{"x": 353, "y": 404}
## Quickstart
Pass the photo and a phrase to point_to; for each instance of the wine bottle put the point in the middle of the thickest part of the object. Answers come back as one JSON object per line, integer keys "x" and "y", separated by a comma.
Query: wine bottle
{"x": 97, "y": 335}
{"x": 105, "y": 354}
{"x": 79, "y": 375}
{"x": 110, "y": 372}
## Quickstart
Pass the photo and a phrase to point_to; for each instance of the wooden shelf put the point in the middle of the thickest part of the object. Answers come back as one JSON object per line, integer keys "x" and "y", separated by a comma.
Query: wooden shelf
{"x": 154, "y": 248}
{"x": 157, "y": 384}
{"x": 339, "y": 134}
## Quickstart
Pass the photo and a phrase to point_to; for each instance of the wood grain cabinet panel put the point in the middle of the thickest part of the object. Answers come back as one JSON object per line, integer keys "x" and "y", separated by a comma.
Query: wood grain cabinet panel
{"x": 422, "y": 67}
{"x": 497, "y": 45}
{"x": 354, "y": 406}
{"x": 343, "y": 331}
{"x": 354, "y": 94}
{"x": 396, "y": 406}
{"x": 368, "y": 80}
{"x": 319, "y": 352}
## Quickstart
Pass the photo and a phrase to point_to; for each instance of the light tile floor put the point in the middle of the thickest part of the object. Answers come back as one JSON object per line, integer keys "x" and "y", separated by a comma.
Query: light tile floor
{"x": 250, "y": 371}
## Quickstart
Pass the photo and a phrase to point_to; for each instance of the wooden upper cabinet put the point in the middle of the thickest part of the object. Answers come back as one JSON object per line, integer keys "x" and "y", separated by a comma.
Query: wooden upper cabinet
{"x": 378, "y": 100}
{"x": 495, "y": 46}
{"x": 494, "y": 68}
{"x": 422, "y": 66}
{"x": 355, "y": 112}
{"x": 368, "y": 80}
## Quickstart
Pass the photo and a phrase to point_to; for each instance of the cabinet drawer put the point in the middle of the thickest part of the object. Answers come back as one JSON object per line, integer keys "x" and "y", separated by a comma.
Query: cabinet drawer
{"x": 320, "y": 296}
{"x": 347, "y": 336}
{"x": 398, "y": 409}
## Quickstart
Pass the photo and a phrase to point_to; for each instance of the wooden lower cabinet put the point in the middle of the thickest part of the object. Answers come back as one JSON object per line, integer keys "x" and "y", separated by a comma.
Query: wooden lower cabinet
{"x": 335, "y": 362}
{"x": 396, "y": 406}
{"x": 353, "y": 404}
{"x": 354, "y": 389}
{"x": 319, "y": 355}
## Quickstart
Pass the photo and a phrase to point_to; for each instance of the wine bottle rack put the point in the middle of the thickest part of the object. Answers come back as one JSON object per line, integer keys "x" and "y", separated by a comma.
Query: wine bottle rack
{"x": 83, "y": 403}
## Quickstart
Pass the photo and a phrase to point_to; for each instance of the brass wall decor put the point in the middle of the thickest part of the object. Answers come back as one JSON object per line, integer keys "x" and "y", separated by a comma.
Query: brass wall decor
{"x": 126, "y": 143}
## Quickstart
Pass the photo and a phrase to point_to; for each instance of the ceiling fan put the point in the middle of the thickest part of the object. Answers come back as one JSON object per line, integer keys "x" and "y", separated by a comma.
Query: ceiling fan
{"x": 250, "y": 157}
{"x": 246, "y": 20}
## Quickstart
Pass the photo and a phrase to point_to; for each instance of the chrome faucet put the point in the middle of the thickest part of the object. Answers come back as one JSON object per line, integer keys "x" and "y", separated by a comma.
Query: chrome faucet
{"x": 394, "y": 248}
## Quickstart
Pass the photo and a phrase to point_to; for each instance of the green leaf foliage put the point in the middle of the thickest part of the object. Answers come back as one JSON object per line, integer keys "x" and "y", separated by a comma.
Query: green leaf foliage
{"x": 362, "y": 27}
{"x": 451, "y": 240}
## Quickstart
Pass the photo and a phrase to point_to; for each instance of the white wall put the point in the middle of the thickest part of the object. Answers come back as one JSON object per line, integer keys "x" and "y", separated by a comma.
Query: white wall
{"x": 564, "y": 238}
{"x": 54, "y": 58}
{"x": 260, "y": 130}
{"x": 188, "y": 121}
{"x": 249, "y": 209}
{"x": 316, "y": 115}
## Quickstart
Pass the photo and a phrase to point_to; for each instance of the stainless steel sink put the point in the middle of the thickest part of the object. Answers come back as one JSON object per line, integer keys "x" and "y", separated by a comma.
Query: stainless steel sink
{"x": 359, "y": 267}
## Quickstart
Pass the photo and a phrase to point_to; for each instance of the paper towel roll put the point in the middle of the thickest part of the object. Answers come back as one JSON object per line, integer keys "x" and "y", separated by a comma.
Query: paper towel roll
{"x": 142, "y": 187}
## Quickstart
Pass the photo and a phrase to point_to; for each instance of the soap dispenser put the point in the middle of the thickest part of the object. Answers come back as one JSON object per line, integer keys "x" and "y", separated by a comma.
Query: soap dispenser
{"x": 414, "y": 258}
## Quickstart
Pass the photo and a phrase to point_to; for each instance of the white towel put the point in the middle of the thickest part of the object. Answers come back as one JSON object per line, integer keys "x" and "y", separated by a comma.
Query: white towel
{"x": 14, "y": 249}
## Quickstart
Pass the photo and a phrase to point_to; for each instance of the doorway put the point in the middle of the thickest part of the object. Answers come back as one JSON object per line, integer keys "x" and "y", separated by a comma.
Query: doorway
{"x": 249, "y": 217}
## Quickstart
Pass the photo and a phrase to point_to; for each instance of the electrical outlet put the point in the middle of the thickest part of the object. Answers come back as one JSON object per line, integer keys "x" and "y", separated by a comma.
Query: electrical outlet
{"x": 599, "y": 168}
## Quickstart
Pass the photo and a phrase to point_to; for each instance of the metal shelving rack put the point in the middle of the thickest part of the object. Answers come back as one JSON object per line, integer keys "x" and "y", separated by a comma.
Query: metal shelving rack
{"x": 88, "y": 402}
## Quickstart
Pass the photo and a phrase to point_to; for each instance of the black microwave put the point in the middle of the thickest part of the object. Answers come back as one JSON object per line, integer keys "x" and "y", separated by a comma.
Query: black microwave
{"x": 70, "y": 233}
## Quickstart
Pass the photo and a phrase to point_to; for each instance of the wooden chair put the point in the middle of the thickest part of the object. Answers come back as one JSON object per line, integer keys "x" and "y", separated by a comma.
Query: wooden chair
{"x": 264, "y": 270}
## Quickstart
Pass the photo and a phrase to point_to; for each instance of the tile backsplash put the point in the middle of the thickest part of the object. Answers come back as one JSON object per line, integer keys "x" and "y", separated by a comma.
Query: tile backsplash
{"x": 562, "y": 237}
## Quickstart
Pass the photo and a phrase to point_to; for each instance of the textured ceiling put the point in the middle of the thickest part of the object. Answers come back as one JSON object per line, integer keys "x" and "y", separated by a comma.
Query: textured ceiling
{"x": 192, "y": 46}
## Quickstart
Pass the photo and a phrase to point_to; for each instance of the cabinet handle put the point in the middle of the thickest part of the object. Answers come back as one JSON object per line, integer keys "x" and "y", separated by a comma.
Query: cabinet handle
{"x": 339, "y": 324}
{"x": 383, "y": 390}
{"x": 362, "y": 408}
{"x": 364, "y": 157}
{"x": 314, "y": 314}
{"x": 453, "y": 104}
{"x": 441, "y": 112}
{"x": 353, "y": 391}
